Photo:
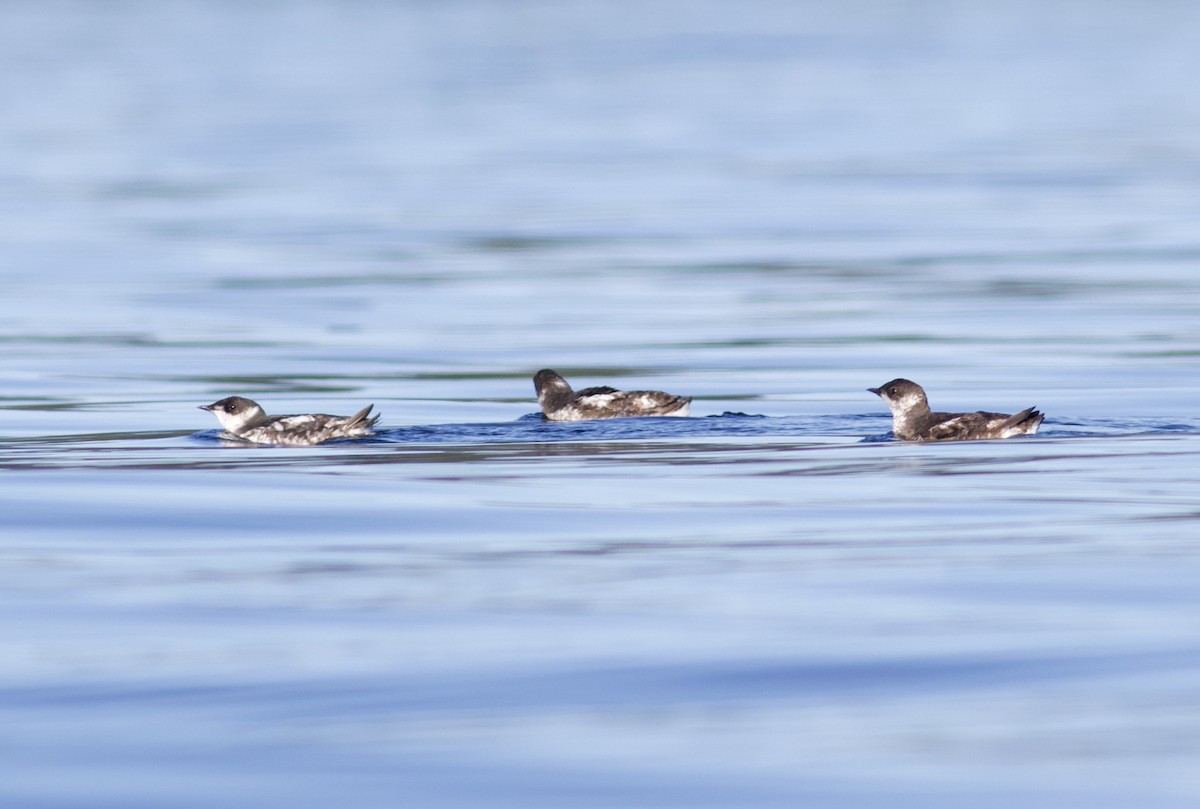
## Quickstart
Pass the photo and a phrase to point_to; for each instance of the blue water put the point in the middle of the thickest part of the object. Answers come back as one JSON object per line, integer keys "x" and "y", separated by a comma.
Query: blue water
{"x": 769, "y": 207}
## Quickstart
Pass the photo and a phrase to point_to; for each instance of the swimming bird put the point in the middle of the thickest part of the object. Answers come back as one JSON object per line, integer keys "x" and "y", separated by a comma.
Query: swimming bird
{"x": 245, "y": 420}
{"x": 912, "y": 419}
{"x": 560, "y": 403}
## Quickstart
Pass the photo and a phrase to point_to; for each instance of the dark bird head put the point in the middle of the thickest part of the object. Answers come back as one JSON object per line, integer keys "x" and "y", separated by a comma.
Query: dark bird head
{"x": 235, "y": 413}
{"x": 902, "y": 395}
{"x": 552, "y": 390}
{"x": 549, "y": 381}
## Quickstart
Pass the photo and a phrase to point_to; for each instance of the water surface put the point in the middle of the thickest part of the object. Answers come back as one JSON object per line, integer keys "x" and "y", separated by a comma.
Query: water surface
{"x": 322, "y": 205}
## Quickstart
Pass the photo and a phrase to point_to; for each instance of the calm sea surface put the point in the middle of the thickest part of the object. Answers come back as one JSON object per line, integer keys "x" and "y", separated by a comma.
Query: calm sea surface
{"x": 769, "y": 206}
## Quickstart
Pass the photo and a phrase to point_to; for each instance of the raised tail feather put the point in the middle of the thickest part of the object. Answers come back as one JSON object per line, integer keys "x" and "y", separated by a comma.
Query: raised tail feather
{"x": 360, "y": 418}
{"x": 675, "y": 404}
{"x": 1027, "y": 421}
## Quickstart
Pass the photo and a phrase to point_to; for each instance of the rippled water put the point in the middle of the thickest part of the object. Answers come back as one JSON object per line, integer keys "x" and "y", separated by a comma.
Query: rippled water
{"x": 770, "y": 208}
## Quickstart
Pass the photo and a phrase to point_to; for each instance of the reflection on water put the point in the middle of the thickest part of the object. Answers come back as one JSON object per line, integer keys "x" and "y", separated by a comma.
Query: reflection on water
{"x": 418, "y": 205}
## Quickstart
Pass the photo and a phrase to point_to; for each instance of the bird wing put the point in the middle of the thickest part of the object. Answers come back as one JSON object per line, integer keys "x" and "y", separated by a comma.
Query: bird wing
{"x": 952, "y": 427}
{"x": 287, "y": 423}
{"x": 599, "y": 390}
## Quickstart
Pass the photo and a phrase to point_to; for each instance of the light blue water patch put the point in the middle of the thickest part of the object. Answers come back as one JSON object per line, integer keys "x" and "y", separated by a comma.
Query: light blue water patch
{"x": 768, "y": 208}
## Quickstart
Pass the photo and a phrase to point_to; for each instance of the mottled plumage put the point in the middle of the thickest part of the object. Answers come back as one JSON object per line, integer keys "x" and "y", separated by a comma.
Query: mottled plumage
{"x": 246, "y": 421}
{"x": 560, "y": 403}
{"x": 912, "y": 419}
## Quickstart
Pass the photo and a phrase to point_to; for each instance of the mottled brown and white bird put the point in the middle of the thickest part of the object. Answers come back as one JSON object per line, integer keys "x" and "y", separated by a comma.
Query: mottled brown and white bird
{"x": 560, "y": 403}
{"x": 912, "y": 420}
{"x": 245, "y": 420}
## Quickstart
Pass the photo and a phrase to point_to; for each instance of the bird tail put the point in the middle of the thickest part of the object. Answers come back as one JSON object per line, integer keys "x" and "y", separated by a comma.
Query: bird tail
{"x": 360, "y": 418}
{"x": 1024, "y": 423}
{"x": 681, "y": 406}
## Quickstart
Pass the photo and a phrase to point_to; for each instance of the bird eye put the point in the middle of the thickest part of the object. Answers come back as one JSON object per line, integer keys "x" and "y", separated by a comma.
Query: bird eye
{"x": 229, "y": 408}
